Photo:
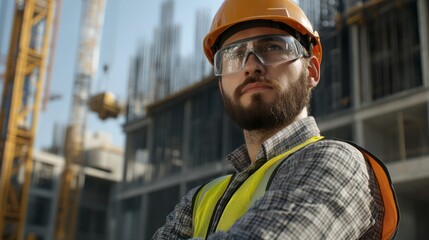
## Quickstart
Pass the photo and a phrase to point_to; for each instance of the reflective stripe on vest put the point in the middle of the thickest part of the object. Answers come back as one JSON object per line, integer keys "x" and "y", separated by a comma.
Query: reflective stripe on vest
{"x": 254, "y": 188}
{"x": 250, "y": 191}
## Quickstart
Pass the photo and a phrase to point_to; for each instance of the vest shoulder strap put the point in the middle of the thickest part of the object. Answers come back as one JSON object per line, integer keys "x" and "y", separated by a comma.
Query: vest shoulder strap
{"x": 203, "y": 206}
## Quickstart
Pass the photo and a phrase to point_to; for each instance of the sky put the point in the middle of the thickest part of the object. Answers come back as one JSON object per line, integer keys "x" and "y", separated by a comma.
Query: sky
{"x": 127, "y": 23}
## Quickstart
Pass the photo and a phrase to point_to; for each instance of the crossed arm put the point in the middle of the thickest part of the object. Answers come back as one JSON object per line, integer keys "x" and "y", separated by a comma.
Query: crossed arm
{"x": 323, "y": 192}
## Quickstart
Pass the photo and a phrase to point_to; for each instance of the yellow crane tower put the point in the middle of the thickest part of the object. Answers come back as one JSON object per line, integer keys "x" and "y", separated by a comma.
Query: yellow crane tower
{"x": 22, "y": 90}
{"x": 92, "y": 19}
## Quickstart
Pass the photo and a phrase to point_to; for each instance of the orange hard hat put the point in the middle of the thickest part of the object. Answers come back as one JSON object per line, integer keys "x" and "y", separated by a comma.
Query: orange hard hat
{"x": 233, "y": 12}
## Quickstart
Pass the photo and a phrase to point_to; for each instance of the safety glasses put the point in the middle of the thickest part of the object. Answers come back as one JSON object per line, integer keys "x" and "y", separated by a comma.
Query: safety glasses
{"x": 269, "y": 49}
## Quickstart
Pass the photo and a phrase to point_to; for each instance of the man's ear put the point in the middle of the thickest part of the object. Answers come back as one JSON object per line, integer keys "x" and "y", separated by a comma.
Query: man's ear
{"x": 313, "y": 72}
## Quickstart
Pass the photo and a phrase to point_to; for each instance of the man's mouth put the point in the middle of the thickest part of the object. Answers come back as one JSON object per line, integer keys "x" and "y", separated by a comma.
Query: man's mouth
{"x": 256, "y": 87}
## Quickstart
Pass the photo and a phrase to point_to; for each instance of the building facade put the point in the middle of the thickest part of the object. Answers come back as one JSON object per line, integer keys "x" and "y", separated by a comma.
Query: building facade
{"x": 43, "y": 194}
{"x": 374, "y": 90}
{"x": 97, "y": 207}
{"x": 178, "y": 145}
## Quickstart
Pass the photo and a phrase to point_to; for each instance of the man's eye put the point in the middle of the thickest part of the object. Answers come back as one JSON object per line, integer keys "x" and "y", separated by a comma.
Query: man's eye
{"x": 239, "y": 53}
{"x": 273, "y": 47}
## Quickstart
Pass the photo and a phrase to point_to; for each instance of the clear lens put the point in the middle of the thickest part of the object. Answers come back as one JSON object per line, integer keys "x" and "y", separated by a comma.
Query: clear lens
{"x": 269, "y": 49}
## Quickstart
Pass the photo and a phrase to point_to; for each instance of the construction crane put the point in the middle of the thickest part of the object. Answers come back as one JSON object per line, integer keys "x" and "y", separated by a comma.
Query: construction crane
{"x": 92, "y": 19}
{"x": 22, "y": 90}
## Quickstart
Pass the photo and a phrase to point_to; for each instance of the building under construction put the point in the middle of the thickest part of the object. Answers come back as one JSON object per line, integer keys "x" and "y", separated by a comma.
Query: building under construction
{"x": 374, "y": 90}
{"x": 102, "y": 167}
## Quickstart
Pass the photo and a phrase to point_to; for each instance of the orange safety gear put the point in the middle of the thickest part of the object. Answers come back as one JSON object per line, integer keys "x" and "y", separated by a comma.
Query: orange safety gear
{"x": 287, "y": 12}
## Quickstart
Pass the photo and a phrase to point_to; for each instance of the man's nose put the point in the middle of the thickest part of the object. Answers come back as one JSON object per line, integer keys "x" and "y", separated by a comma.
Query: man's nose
{"x": 253, "y": 65}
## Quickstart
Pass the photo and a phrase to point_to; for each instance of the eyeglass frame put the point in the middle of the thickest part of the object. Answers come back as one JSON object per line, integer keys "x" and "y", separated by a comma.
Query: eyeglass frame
{"x": 302, "y": 52}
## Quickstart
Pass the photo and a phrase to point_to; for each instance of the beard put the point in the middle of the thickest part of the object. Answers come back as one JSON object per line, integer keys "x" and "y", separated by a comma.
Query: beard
{"x": 261, "y": 115}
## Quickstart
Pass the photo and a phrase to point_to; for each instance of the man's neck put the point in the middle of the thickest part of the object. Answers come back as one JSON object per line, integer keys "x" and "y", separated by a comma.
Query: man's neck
{"x": 255, "y": 138}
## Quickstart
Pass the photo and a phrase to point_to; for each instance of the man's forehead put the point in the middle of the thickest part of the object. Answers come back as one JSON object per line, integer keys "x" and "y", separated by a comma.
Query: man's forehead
{"x": 252, "y": 33}
{"x": 255, "y": 41}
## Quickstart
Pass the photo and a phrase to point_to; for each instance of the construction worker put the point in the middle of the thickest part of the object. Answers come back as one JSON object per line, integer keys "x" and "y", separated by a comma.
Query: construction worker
{"x": 290, "y": 182}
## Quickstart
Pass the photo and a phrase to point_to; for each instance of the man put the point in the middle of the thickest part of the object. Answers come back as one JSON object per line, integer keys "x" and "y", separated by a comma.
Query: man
{"x": 290, "y": 183}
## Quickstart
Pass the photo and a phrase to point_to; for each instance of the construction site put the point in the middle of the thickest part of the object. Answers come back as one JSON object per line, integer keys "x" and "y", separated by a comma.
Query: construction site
{"x": 374, "y": 91}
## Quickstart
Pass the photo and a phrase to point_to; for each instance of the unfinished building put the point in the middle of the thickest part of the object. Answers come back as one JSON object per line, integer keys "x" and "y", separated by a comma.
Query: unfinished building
{"x": 374, "y": 91}
{"x": 102, "y": 170}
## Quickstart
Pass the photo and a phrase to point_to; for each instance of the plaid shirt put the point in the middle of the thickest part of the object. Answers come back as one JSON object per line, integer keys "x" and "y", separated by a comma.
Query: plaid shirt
{"x": 323, "y": 191}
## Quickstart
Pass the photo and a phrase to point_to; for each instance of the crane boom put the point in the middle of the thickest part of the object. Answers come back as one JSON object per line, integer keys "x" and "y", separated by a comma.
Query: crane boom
{"x": 19, "y": 111}
{"x": 92, "y": 20}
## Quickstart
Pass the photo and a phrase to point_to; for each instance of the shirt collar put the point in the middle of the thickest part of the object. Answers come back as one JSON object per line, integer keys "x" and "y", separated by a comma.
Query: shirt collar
{"x": 287, "y": 138}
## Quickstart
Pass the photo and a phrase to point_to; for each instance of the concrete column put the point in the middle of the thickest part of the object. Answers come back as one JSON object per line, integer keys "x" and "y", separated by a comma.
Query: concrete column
{"x": 186, "y": 134}
{"x": 407, "y": 226}
{"x": 427, "y": 117}
{"x": 358, "y": 133}
{"x": 360, "y": 77}
{"x": 355, "y": 66}
{"x": 366, "y": 90}
{"x": 144, "y": 218}
{"x": 57, "y": 185}
{"x": 185, "y": 145}
{"x": 114, "y": 213}
{"x": 423, "y": 18}
{"x": 150, "y": 140}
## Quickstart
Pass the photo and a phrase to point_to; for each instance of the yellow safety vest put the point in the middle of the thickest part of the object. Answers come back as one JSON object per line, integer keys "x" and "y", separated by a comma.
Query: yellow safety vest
{"x": 254, "y": 188}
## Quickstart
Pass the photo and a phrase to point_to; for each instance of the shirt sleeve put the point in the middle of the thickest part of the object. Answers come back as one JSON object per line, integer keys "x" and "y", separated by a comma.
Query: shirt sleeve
{"x": 320, "y": 192}
{"x": 179, "y": 222}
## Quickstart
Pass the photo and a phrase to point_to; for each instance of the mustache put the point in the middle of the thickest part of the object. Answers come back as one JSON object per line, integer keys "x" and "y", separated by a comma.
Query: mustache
{"x": 255, "y": 79}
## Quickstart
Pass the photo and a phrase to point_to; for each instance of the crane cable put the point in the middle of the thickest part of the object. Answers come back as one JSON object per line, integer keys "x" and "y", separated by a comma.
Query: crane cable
{"x": 111, "y": 54}
{"x": 46, "y": 92}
